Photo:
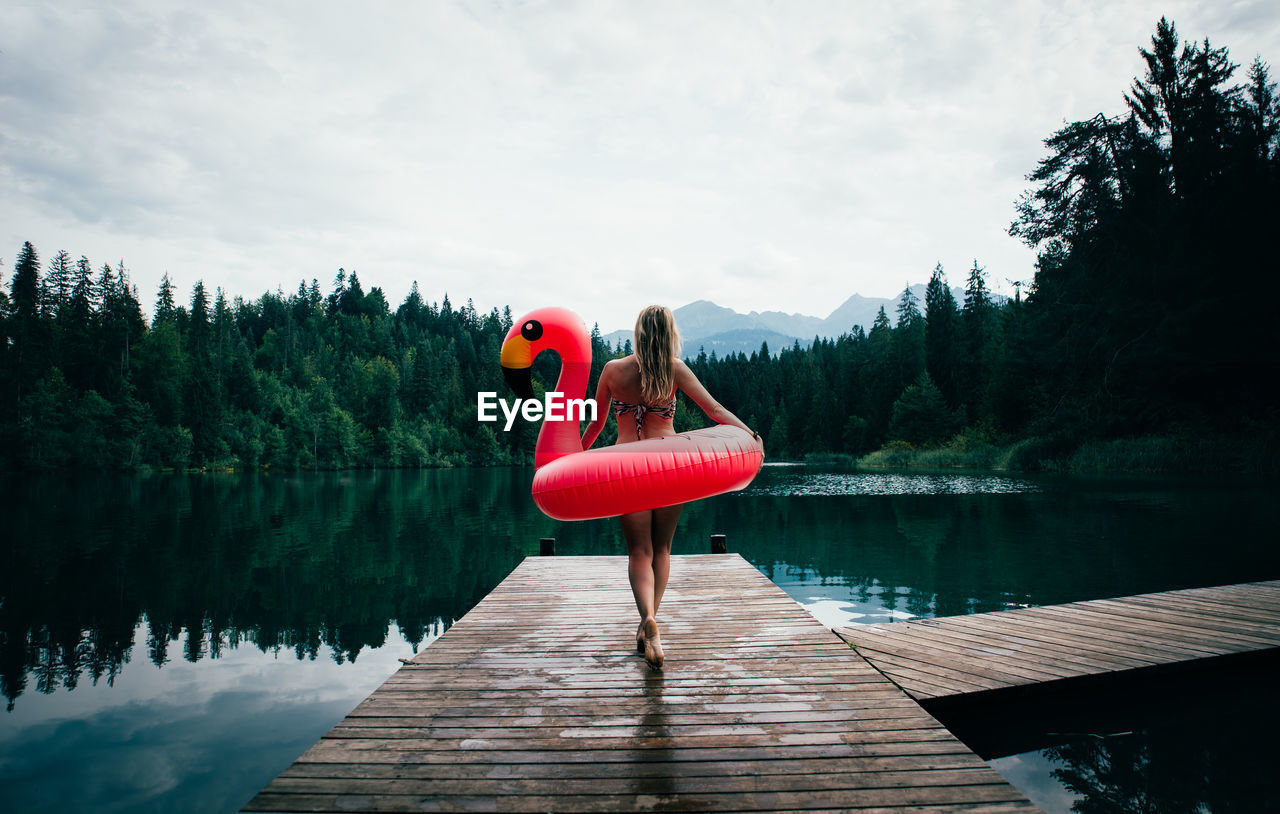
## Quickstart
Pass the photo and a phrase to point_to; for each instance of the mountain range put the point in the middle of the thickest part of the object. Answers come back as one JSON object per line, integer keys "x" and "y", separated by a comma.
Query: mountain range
{"x": 711, "y": 327}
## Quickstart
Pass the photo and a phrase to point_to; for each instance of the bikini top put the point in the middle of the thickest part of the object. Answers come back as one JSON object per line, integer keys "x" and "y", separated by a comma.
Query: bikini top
{"x": 640, "y": 410}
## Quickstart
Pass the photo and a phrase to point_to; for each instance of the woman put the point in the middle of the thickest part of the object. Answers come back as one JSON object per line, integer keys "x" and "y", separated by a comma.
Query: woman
{"x": 641, "y": 388}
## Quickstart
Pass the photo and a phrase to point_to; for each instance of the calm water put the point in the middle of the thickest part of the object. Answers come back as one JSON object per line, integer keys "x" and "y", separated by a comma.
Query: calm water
{"x": 170, "y": 643}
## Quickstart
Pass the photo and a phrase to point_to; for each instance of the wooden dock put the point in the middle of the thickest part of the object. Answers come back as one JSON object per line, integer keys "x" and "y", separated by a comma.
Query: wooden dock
{"x": 537, "y": 701}
{"x": 959, "y": 659}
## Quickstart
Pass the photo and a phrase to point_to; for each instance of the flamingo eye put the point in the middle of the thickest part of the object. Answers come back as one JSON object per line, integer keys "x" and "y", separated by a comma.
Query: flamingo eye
{"x": 531, "y": 330}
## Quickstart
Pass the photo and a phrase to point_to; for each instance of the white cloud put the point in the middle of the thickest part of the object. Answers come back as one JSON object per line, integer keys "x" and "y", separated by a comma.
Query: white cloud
{"x": 595, "y": 155}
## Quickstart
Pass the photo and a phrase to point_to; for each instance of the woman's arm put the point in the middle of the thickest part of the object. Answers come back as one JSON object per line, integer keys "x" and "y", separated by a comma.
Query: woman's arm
{"x": 686, "y": 381}
{"x": 604, "y": 401}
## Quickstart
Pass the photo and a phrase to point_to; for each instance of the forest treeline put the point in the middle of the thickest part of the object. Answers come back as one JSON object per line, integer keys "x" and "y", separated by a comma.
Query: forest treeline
{"x": 1148, "y": 315}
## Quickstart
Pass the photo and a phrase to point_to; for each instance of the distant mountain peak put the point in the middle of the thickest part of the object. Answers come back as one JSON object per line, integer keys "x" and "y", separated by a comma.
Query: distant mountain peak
{"x": 704, "y": 323}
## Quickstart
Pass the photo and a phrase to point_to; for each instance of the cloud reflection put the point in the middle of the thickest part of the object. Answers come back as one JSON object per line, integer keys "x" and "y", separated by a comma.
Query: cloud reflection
{"x": 168, "y": 738}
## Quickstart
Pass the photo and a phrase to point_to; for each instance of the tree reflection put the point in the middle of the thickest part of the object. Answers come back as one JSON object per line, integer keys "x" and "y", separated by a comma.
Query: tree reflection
{"x": 1210, "y": 757}
{"x": 281, "y": 563}
{"x": 308, "y": 561}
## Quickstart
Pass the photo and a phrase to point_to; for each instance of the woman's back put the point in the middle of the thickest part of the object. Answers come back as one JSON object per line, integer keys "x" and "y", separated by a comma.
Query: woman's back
{"x": 642, "y": 387}
{"x": 644, "y": 403}
{"x": 650, "y": 420}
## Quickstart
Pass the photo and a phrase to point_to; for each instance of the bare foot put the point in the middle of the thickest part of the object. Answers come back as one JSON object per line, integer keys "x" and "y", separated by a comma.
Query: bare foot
{"x": 640, "y": 638}
{"x": 652, "y": 644}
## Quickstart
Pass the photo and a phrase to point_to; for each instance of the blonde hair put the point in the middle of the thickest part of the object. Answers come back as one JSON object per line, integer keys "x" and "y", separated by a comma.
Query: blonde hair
{"x": 657, "y": 345}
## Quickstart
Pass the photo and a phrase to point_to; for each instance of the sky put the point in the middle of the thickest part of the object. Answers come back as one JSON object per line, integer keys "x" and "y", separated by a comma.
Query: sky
{"x": 594, "y": 155}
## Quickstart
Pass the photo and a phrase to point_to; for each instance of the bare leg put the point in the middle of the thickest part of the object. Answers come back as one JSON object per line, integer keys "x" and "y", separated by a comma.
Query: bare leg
{"x": 663, "y": 531}
{"x": 637, "y": 528}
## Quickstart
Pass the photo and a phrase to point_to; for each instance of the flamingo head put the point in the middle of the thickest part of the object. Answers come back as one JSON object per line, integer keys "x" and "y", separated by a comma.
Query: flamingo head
{"x": 557, "y": 329}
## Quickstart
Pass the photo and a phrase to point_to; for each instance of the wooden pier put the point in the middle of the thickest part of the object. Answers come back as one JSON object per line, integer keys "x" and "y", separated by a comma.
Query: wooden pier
{"x": 958, "y": 660}
{"x": 537, "y": 701}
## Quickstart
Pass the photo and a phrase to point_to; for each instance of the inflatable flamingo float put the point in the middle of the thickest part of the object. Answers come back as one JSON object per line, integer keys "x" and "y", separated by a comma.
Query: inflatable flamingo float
{"x": 570, "y": 484}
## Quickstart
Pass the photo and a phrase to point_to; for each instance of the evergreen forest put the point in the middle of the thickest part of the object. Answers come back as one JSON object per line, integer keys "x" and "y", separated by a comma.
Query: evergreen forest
{"x": 1148, "y": 317}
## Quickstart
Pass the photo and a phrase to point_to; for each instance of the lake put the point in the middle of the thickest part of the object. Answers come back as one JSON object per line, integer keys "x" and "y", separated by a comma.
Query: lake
{"x": 172, "y": 642}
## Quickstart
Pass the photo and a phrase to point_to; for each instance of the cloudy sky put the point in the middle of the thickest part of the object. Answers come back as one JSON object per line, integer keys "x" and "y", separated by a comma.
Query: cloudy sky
{"x": 600, "y": 156}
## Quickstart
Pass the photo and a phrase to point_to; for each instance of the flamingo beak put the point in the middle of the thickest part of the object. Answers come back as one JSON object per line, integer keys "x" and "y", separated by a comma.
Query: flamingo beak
{"x": 517, "y": 366}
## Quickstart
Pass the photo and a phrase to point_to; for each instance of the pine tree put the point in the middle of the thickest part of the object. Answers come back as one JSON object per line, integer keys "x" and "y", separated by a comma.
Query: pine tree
{"x": 27, "y": 351}
{"x": 977, "y": 300}
{"x": 908, "y": 308}
{"x": 202, "y": 406}
{"x": 351, "y": 300}
{"x": 59, "y": 282}
{"x": 980, "y": 344}
{"x": 80, "y": 357}
{"x": 166, "y": 309}
{"x": 921, "y": 416}
{"x": 909, "y": 338}
{"x": 1260, "y": 115}
{"x": 1131, "y": 216}
{"x": 198, "y": 319}
{"x": 1181, "y": 97}
{"x": 160, "y": 369}
{"x": 410, "y": 311}
{"x": 941, "y": 335}
{"x": 300, "y": 304}
{"x": 103, "y": 288}
{"x": 223, "y": 330}
{"x": 882, "y": 373}
{"x": 82, "y": 291}
{"x": 128, "y": 313}
{"x": 25, "y": 286}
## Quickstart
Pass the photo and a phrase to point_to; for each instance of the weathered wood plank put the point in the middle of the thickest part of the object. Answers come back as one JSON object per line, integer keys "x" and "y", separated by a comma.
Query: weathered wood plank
{"x": 962, "y": 797}
{"x": 866, "y": 742}
{"x": 660, "y": 784}
{"x": 1088, "y": 631}
{"x": 633, "y": 769}
{"x": 943, "y": 658}
{"x": 1014, "y": 647}
{"x": 944, "y": 652}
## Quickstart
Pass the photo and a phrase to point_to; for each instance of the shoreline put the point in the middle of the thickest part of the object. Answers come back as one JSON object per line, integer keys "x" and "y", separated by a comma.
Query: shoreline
{"x": 1141, "y": 455}
{"x": 1256, "y": 455}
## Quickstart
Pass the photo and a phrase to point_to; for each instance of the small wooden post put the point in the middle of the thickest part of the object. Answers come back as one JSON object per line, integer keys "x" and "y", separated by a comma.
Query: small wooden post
{"x": 547, "y": 547}
{"x": 718, "y": 544}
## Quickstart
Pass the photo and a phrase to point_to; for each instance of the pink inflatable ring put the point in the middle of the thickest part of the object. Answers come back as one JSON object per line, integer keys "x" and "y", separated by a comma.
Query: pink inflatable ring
{"x": 570, "y": 484}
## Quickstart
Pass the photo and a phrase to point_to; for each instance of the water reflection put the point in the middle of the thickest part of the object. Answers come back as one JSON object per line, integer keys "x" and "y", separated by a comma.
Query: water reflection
{"x": 145, "y": 616}
{"x": 837, "y": 612}
{"x": 185, "y": 738}
{"x": 294, "y": 563}
{"x": 1204, "y": 754}
{"x": 305, "y": 562}
{"x": 940, "y": 555}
